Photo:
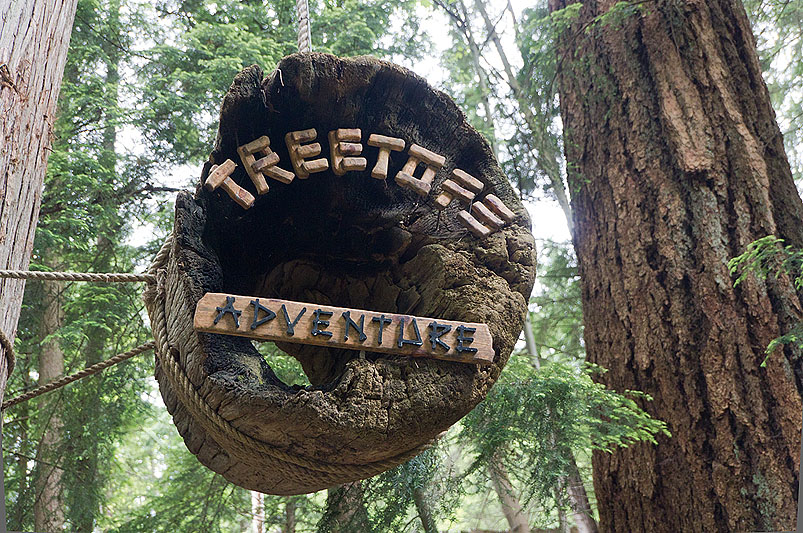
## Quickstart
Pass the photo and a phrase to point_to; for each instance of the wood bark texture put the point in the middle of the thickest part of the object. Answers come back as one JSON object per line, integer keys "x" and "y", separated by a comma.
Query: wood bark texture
{"x": 34, "y": 37}
{"x": 48, "y": 507}
{"x": 678, "y": 165}
{"x": 350, "y": 241}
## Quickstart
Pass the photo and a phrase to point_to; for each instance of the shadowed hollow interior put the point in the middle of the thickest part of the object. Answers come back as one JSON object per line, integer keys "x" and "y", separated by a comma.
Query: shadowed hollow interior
{"x": 351, "y": 240}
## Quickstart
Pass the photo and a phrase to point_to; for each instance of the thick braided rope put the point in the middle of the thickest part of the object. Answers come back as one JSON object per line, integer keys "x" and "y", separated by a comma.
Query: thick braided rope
{"x": 304, "y": 34}
{"x": 8, "y": 348}
{"x": 200, "y": 410}
{"x": 89, "y": 371}
{"x": 77, "y": 276}
{"x": 6, "y": 343}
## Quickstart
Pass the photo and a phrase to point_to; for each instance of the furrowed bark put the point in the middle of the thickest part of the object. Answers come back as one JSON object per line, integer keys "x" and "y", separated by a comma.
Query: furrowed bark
{"x": 34, "y": 36}
{"x": 679, "y": 166}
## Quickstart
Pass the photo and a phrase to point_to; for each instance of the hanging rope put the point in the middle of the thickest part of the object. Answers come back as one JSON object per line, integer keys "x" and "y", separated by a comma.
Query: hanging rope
{"x": 89, "y": 371}
{"x": 77, "y": 276}
{"x": 304, "y": 35}
{"x": 8, "y": 345}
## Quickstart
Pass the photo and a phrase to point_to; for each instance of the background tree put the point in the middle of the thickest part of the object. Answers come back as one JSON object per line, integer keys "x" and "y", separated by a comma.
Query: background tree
{"x": 677, "y": 164}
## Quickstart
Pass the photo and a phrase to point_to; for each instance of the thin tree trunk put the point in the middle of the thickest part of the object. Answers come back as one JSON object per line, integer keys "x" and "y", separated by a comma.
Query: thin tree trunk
{"x": 345, "y": 509}
{"x": 289, "y": 515}
{"x": 34, "y": 37}
{"x": 516, "y": 516}
{"x": 572, "y": 484}
{"x": 678, "y": 165}
{"x": 424, "y": 508}
{"x": 23, "y": 494}
{"x": 47, "y": 508}
{"x": 545, "y": 155}
{"x": 257, "y": 512}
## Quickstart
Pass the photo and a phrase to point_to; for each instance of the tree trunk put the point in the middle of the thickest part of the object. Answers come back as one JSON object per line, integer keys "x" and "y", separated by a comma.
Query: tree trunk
{"x": 515, "y": 515}
{"x": 345, "y": 509}
{"x": 23, "y": 500}
{"x": 678, "y": 164}
{"x": 257, "y": 512}
{"x": 34, "y": 36}
{"x": 578, "y": 499}
{"x": 289, "y": 515}
{"x": 424, "y": 509}
{"x": 47, "y": 508}
{"x": 572, "y": 484}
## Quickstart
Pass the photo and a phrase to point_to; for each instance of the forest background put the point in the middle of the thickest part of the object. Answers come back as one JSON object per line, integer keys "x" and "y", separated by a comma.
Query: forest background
{"x": 137, "y": 116}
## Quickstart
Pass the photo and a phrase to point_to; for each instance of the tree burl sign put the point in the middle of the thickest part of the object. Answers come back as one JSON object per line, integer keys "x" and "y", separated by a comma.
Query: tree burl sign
{"x": 380, "y": 245}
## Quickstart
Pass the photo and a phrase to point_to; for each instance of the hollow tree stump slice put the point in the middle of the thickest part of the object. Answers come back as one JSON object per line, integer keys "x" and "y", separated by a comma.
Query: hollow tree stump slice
{"x": 353, "y": 242}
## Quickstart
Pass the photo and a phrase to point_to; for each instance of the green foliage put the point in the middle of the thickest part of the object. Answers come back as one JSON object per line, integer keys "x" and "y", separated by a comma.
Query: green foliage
{"x": 557, "y": 315}
{"x": 203, "y": 44}
{"x": 539, "y": 419}
{"x": 183, "y": 496}
{"x": 767, "y": 257}
{"x": 776, "y": 26}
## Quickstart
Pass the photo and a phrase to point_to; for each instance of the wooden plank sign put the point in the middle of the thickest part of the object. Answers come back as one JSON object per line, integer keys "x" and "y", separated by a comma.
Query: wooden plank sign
{"x": 336, "y": 327}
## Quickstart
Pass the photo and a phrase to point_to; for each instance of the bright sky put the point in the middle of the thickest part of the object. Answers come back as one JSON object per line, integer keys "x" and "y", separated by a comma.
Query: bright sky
{"x": 548, "y": 220}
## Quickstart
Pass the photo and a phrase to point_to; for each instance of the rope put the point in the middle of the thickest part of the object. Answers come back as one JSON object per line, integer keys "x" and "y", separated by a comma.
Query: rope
{"x": 89, "y": 371}
{"x": 294, "y": 466}
{"x": 304, "y": 35}
{"x": 77, "y": 276}
{"x": 224, "y": 432}
{"x": 8, "y": 348}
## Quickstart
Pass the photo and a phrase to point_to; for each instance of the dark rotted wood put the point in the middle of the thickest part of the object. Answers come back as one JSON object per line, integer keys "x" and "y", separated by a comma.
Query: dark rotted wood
{"x": 348, "y": 241}
{"x": 338, "y": 327}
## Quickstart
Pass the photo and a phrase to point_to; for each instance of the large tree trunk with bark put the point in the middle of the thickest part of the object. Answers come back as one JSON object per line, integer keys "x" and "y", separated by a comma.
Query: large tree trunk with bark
{"x": 678, "y": 164}
{"x": 34, "y": 37}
